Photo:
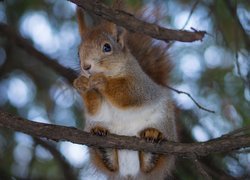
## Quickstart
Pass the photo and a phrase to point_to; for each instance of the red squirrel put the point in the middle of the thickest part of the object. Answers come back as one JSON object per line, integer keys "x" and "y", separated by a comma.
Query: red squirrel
{"x": 122, "y": 83}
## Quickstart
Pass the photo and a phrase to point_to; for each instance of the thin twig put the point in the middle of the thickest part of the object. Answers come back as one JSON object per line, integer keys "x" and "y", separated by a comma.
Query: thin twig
{"x": 200, "y": 168}
{"x": 196, "y": 103}
{"x": 191, "y": 13}
{"x": 188, "y": 19}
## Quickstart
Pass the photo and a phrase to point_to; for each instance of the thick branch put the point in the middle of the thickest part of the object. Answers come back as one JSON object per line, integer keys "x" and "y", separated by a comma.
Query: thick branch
{"x": 67, "y": 73}
{"x": 131, "y": 23}
{"x": 55, "y": 132}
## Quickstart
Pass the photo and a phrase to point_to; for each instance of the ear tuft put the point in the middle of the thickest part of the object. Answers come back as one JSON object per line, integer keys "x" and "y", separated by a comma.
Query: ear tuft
{"x": 118, "y": 4}
{"x": 121, "y": 34}
{"x": 111, "y": 28}
{"x": 82, "y": 27}
{"x": 118, "y": 33}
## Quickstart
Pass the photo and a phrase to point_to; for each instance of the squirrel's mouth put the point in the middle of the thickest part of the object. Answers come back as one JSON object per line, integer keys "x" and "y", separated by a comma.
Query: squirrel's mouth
{"x": 86, "y": 73}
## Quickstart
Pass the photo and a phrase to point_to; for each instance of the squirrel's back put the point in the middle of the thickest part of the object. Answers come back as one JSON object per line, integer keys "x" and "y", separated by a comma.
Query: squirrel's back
{"x": 151, "y": 56}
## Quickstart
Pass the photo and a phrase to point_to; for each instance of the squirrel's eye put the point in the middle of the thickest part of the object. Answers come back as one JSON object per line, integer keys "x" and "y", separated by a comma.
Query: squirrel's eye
{"x": 106, "y": 48}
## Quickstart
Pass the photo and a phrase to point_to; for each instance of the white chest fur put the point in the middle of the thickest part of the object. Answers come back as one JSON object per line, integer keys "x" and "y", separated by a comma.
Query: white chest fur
{"x": 129, "y": 122}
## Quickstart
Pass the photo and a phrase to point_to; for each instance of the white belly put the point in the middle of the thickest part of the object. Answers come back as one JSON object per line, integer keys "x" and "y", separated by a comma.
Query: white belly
{"x": 129, "y": 164}
{"x": 128, "y": 122}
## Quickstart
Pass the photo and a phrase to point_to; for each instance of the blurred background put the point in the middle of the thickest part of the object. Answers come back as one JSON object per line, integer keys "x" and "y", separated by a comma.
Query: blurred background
{"x": 215, "y": 71}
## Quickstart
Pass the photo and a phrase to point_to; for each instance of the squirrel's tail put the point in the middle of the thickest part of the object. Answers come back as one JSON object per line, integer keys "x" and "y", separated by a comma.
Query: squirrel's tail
{"x": 152, "y": 57}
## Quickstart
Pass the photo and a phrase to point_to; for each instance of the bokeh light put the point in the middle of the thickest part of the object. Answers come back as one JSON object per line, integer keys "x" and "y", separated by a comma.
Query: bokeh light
{"x": 36, "y": 26}
{"x": 21, "y": 90}
{"x": 74, "y": 153}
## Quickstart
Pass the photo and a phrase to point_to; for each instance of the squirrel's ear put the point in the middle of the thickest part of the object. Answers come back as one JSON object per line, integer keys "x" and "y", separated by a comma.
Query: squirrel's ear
{"x": 82, "y": 27}
{"x": 111, "y": 28}
{"x": 118, "y": 4}
{"x": 121, "y": 33}
{"x": 117, "y": 32}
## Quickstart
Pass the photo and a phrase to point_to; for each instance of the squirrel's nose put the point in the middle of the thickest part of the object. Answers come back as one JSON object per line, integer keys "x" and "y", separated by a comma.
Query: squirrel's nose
{"x": 87, "y": 67}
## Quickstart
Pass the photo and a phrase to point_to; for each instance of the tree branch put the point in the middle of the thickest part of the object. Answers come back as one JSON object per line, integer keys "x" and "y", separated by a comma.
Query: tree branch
{"x": 61, "y": 133}
{"x": 131, "y": 23}
{"x": 67, "y": 73}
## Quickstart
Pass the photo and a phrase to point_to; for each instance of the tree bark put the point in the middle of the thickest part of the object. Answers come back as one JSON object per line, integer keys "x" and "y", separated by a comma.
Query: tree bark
{"x": 61, "y": 133}
{"x": 131, "y": 23}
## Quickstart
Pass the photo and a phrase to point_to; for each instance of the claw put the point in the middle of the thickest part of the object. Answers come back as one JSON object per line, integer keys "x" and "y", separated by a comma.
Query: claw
{"x": 151, "y": 135}
{"x": 99, "y": 131}
{"x": 81, "y": 84}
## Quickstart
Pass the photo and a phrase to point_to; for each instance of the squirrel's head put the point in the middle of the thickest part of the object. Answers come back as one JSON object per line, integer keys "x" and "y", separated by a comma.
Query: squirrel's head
{"x": 102, "y": 49}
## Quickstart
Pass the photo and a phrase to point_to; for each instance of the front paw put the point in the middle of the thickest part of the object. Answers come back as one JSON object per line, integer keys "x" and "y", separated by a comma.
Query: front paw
{"x": 97, "y": 81}
{"x": 151, "y": 135}
{"x": 81, "y": 84}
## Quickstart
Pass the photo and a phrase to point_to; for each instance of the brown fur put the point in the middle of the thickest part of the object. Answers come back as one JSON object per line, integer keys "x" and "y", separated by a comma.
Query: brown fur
{"x": 120, "y": 92}
{"x": 113, "y": 89}
{"x": 93, "y": 100}
{"x": 153, "y": 166}
{"x": 91, "y": 97}
{"x": 123, "y": 90}
{"x": 154, "y": 136}
{"x": 152, "y": 58}
{"x": 97, "y": 159}
{"x": 82, "y": 25}
{"x": 101, "y": 157}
